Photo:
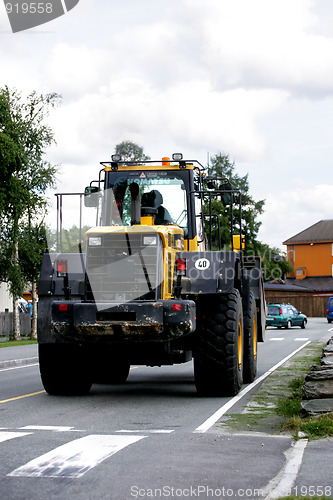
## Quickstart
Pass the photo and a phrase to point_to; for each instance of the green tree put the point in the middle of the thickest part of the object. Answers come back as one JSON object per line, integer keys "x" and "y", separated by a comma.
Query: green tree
{"x": 24, "y": 176}
{"x": 222, "y": 169}
{"x": 274, "y": 263}
{"x": 32, "y": 245}
{"x": 71, "y": 238}
{"x": 130, "y": 151}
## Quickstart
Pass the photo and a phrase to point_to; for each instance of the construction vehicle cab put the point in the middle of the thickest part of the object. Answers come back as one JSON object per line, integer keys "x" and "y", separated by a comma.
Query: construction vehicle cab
{"x": 149, "y": 285}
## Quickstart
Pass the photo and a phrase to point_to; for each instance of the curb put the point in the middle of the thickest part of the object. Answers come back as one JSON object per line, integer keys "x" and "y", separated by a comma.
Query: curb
{"x": 18, "y": 362}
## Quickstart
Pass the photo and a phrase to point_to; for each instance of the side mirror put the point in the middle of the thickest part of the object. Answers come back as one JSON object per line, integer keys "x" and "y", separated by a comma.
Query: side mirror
{"x": 226, "y": 197}
{"x": 90, "y": 196}
{"x": 211, "y": 185}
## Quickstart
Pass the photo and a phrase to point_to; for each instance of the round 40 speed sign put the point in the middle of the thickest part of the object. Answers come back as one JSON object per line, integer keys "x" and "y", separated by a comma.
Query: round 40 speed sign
{"x": 202, "y": 264}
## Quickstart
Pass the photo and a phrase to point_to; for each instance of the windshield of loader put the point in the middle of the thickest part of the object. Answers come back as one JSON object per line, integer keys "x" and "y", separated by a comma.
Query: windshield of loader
{"x": 162, "y": 190}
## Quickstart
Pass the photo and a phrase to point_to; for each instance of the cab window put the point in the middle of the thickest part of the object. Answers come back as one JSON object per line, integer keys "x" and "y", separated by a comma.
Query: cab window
{"x": 160, "y": 190}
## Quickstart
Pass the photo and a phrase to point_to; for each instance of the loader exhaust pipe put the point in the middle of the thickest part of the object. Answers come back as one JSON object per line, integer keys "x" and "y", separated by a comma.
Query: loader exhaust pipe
{"x": 135, "y": 204}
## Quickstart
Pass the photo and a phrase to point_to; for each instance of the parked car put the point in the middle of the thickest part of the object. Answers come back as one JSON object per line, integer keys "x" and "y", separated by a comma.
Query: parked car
{"x": 329, "y": 310}
{"x": 22, "y": 305}
{"x": 285, "y": 315}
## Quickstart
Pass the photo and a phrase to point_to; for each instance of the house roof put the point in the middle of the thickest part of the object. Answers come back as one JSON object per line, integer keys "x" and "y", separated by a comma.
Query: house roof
{"x": 319, "y": 284}
{"x": 322, "y": 231}
{"x": 286, "y": 286}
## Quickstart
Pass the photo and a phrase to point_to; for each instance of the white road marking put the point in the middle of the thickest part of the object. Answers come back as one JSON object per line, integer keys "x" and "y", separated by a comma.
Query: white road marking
{"x": 17, "y": 367}
{"x": 303, "y": 339}
{"x": 221, "y": 411}
{"x": 281, "y": 485}
{"x": 74, "y": 459}
{"x": 5, "y": 436}
{"x": 55, "y": 428}
{"x": 150, "y": 431}
{"x": 277, "y": 338}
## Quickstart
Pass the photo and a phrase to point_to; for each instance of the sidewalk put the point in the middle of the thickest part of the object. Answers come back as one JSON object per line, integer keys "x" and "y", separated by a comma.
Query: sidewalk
{"x": 307, "y": 472}
{"x": 18, "y": 356}
{"x": 315, "y": 476}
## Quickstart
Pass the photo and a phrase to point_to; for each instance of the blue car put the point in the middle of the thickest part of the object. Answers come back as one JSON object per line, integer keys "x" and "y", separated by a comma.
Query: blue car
{"x": 329, "y": 310}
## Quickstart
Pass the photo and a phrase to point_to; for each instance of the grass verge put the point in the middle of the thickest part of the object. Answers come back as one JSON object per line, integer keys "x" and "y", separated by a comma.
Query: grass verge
{"x": 275, "y": 407}
{"x": 314, "y": 427}
{"x": 15, "y": 343}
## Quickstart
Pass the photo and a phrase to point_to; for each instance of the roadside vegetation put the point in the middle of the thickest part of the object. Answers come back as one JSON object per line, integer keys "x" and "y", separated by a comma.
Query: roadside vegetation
{"x": 310, "y": 427}
{"x": 276, "y": 405}
{"x": 25, "y": 176}
{"x": 15, "y": 343}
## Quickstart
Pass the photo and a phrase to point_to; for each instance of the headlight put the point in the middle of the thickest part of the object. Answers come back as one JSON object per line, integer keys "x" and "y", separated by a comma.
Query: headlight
{"x": 116, "y": 157}
{"x": 149, "y": 240}
{"x": 177, "y": 156}
{"x": 95, "y": 241}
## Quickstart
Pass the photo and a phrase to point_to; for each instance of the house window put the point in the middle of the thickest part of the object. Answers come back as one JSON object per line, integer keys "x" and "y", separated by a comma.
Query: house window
{"x": 301, "y": 273}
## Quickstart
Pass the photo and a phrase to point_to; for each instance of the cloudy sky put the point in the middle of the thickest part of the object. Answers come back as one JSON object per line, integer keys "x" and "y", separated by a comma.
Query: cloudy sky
{"x": 253, "y": 79}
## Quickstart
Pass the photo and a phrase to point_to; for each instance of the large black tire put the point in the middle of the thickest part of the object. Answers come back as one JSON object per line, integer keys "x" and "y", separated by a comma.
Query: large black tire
{"x": 218, "y": 354}
{"x": 108, "y": 369}
{"x": 250, "y": 338}
{"x": 64, "y": 370}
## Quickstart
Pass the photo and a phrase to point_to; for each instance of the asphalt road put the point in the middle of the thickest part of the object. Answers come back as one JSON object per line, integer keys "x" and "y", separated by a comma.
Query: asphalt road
{"x": 151, "y": 438}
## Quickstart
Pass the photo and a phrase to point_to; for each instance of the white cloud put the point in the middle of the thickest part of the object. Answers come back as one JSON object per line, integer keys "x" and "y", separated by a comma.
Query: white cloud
{"x": 267, "y": 44}
{"x": 192, "y": 115}
{"x": 291, "y": 211}
{"x": 76, "y": 70}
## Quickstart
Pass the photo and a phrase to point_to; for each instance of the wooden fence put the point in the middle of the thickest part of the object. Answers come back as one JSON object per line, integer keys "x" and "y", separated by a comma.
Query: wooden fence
{"x": 311, "y": 305}
{"x": 6, "y": 324}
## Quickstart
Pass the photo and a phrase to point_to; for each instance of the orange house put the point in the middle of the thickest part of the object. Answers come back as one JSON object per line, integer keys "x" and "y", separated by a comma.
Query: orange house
{"x": 311, "y": 283}
{"x": 311, "y": 251}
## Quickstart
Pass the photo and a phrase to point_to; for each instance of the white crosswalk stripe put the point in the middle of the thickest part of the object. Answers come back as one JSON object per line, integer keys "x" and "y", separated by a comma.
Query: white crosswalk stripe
{"x": 297, "y": 339}
{"x": 5, "y": 436}
{"x": 75, "y": 458}
{"x": 55, "y": 428}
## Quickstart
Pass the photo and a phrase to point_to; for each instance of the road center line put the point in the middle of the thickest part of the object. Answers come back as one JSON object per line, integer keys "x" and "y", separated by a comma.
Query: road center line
{"x": 221, "y": 411}
{"x": 21, "y": 397}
